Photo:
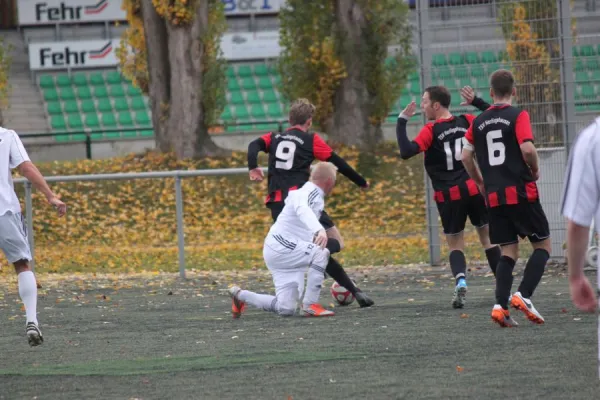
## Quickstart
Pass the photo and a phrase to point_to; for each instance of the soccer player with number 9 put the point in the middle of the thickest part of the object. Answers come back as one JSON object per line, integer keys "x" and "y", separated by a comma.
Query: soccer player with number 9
{"x": 291, "y": 154}
{"x": 456, "y": 196}
{"x": 501, "y": 140}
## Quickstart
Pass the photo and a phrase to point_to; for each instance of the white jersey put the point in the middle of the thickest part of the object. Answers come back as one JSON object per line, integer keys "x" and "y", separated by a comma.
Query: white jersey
{"x": 299, "y": 218}
{"x": 12, "y": 154}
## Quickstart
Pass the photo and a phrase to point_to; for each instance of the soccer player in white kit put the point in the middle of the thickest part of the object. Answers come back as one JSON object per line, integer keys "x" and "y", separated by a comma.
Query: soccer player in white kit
{"x": 13, "y": 233}
{"x": 293, "y": 248}
{"x": 581, "y": 205}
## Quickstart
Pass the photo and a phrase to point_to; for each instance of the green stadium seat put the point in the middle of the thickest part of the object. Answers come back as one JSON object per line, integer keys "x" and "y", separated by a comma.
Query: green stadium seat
{"x": 491, "y": 68}
{"x": 92, "y": 121}
{"x": 63, "y": 81}
{"x": 472, "y": 57}
{"x": 482, "y": 83}
{"x": 97, "y": 136}
{"x": 46, "y": 82}
{"x": 74, "y": 121}
{"x": 257, "y": 111}
{"x": 129, "y": 134}
{"x": 121, "y": 104}
{"x": 477, "y": 71}
{"x": 84, "y": 93}
{"x": 261, "y": 70}
{"x": 226, "y": 115}
{"x": 79, "y": 79}
{"x": 462, "y": 82}
{"x": 133, "y": 91}
{"x": 575, "y": 51}
{"x": 241, "y": 113}
{"x": 230, "y": 73}
{"x": 581, "y": 77}
{"x": 592, "y": 64}
{"x": 248, "y": 84}
{"x": 100, "y": 92}
{"x": 71, "y": 106}
{"x": 232, "y": 84}
{"x": 266, "y": 127}
{"x": 67, "y": 93}
{"x": 451, "y": 84}
{"x": 125, "y": 119}
{"x": 414, "y": 76}
{"x": 444, "y": 73}
{"x": 96, "y": 79}
{"x": 439, "y": 60}
{"x": 579, "y": 66}
{"x": 137, "y": 103}
{"x": 104, "y": 106}
{"x": 58, "y": 123}
{"x": 461, "y": 72}
{"x": 146, "y": 133}
{"x": 596, "y": 76}
{"x": 244, "y": 71}
{"x": 117, "y": 91}
{"x": 503, "y": 55}
{"x": 108, "y": 121}
{"x": 594, "y": 107}
{"x": 236, "y": 98}
{"x": 88, "y": 106}
{"x": 265, "y": 83}
{"x": 598, "y": 49}
{"x": 488, "y": 57}
{"x": 53, "y": 107}
{"x": 587, "y": 51}
{"x": 253, "y": 97}
{"x": 112, "y": 135}
{"x": 404, "y": 100}
{"x": 142, "y": 118}
{"x": 274, "y": 110}
{"x": 276, "y": 81}
{"x": 580, "y": 107}
{"x": 269, "y": 96}
{"x": 113, "y": 77}
{"x": 587, "y": 92}
{"x": 455, "y": 59}
{"x": 415, "y": 90}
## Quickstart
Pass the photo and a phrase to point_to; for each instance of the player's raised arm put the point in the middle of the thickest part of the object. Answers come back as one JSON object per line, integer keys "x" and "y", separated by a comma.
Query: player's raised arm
{"x": 423, "y": 140}
{"x": 323, "y": 152}
{"x": 468, "y": 94}
{"x": 263, "y": 144}
{"x": 468, "y": 160}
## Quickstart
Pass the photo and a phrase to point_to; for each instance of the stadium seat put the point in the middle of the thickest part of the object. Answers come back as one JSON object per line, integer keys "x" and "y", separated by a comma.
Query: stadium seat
{"x": 444, "y": 73}
{"x": 104, "y": 106}
{"x": 244, "y": 71}
{"x": 461, "y": 72}
{"x": 137, "y": 103}
{"x": 88, "y": 106}
{"x": 125, "y": 119}
{"x": 142, "y": 118}
{"x": 592, "y": 64}
{"x": 63, "y": 81}
{"x": 133, "y": 91}
{"x": 53, "y": 108}
{"x": 100, "y": 92}
{"x": 261, "y": 70}
{"x": 455, "y": 59}
{"x": 96, "y": 79}
{"x": 248, "y": 84}
{"x": 472, "y": 57}
{"x": 265, "y": 83}
{"x": 146, "y": 133}
{"x": 71, "y": 106}
{"x": 253, "y": 97}
{"x": 241, "y": 113}
{"x": 274, "y": 110}
{"x": 58, "y": 123}
{"x": 587, "y": 92}
{"x": 579, "y": 66}
{"x": 477, "y": 71}
{"x": 269, "y": 96}
{"x": 79, "y": 79}
{"x": 46, "y": 82}
{"x": 230, "y": 73}
{"x": 581, "y": 77}
{"x": 226, "y": 115}
{"x": 117, "y": 91}
{"x": 503, "y": 55}
{"x": 109, "y": 121}
{"x": 587, "y": 51}
{"x": 488, "y": 57}
{"x": 232, "y": 84}
{"x": 113, "y": 77}
{"x": 92, "y": 121}
{"x": 121, "y": 104}
{"x": 67, "y": 93}
{"x": 257, "y": 112}
{"x": 84, "y": 93}
{"x": 74, "y": 121}
{"x": 236, "y": 98}
{"x": 439, "y": 60}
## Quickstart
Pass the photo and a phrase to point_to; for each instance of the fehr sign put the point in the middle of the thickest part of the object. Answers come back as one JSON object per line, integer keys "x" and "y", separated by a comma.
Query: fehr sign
{"x": 37, "y": 12}
{"x": 82, "y": 54}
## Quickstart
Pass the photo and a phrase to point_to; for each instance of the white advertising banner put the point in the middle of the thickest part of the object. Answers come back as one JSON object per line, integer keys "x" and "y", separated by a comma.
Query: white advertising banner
{"x": 76, "y": 54}
{"x": 241, "y": 7}
{"x": 50, "y": 12}
{"x": 250, "y": 46}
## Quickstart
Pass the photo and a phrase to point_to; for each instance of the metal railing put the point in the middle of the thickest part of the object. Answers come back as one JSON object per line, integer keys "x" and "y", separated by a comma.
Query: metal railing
{"x": 177, "y": 175}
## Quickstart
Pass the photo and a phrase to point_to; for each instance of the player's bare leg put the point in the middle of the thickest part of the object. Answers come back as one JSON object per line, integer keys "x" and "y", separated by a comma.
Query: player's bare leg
{"x": 458, "y": 265}
{"x": 534, "y": 269}
{"x": 492, "y": 251}
{"x": 335, "y": 244}
{"x": 28, "y": 294}
{"x": 504, "y": 279}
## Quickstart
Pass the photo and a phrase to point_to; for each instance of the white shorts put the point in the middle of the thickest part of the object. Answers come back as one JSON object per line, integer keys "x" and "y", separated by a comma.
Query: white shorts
{"x": 13, "y": 237}
{"x": 289, "y": 260}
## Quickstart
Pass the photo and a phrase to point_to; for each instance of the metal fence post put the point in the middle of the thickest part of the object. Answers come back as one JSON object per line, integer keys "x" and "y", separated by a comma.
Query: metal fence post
{"x": 29, "y": 218}
{"x": 424, "y": 44}
{"x": 180, "y": 233}
{"x": 566, "y": 69}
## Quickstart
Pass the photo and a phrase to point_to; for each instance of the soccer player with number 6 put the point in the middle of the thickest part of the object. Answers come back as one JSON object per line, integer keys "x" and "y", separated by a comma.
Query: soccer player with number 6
{"x": 290, "y": 157}
{"x": 502, "y": 142}
{"x": 456, "y": 195}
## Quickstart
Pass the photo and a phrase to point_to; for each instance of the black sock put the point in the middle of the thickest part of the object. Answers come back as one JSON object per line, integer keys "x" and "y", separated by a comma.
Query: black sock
{"x": 333, "y": 246}
{"x": 336, "y": 271}
{"x": 458, "y": 265}
{"x": 534, "y": 269}
{"x": 504, "y": 279}
{"x": 493, "y": 255}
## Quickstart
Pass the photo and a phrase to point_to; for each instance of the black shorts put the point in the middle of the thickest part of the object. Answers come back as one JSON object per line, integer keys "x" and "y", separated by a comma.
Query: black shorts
{"x": 454, "y": 213}
{"x": 509, "y": 222}
{"x": 276, "y": 209}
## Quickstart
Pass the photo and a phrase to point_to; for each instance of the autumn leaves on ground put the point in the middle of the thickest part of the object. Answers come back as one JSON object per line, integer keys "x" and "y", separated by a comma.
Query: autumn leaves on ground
{"x": 123, "y": 226}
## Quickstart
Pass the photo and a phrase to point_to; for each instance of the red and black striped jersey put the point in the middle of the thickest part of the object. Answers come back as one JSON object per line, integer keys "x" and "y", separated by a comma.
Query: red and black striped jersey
{"x": 497, "y": 135}
{"x": 442, "y": 142}
{"x": 291, "y": 154}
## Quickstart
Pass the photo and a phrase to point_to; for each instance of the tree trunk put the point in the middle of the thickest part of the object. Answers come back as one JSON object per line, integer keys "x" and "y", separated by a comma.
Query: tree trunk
{"x": 175, "y": 69}
{"x": 353, "y": 102}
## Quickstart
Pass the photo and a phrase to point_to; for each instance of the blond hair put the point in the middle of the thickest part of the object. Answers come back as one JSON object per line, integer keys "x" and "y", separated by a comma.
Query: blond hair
{"x": 323, "y": 171}
{"x": 301, "y": 110}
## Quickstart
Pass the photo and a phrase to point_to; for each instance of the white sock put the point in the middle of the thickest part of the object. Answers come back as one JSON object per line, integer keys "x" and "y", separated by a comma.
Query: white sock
{"x": 264, "y": 301}
{"x": 28, "y": 293}
{"x": 314, "y": 283}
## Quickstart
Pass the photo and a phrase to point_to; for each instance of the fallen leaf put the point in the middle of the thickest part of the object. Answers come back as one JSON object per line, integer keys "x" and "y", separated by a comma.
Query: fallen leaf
{"x": 459, "y": 368}
{"x": 464, "y": 315}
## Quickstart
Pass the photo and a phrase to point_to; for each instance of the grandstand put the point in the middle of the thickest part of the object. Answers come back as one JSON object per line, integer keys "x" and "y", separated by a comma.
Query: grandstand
{"x": 102, "y": 101}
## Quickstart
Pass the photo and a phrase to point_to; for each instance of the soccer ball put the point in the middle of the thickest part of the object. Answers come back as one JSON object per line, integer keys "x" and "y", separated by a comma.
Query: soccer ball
{"x": 341, "y": 294}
